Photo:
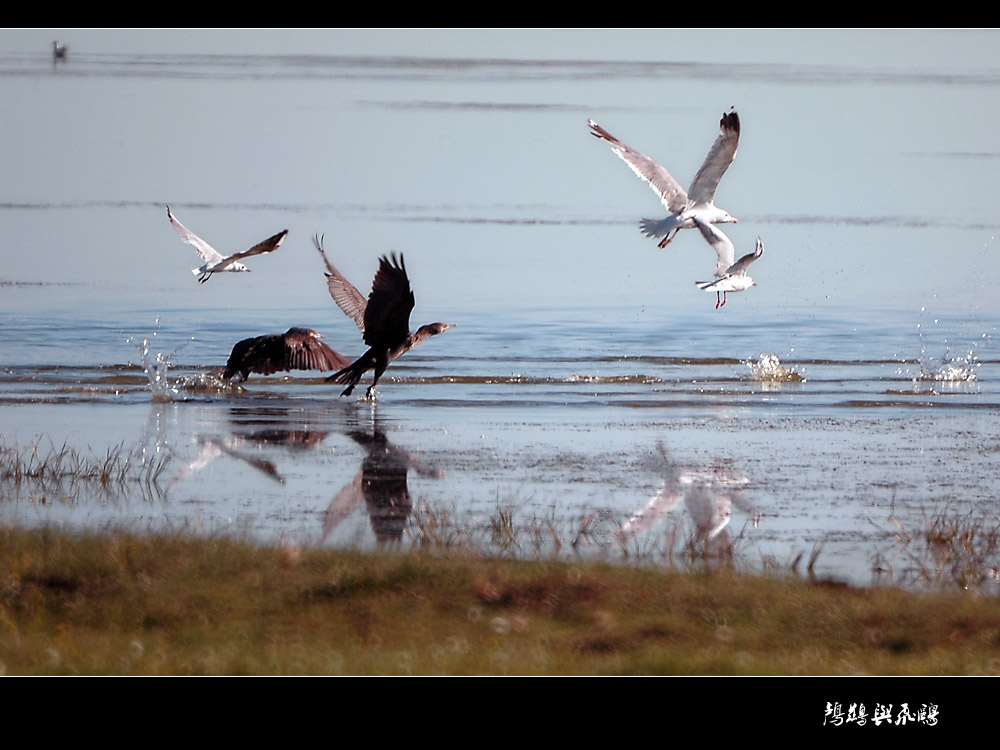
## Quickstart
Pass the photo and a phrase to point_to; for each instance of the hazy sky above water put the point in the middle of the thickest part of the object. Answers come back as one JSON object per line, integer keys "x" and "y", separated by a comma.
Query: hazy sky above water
{"x": 868, "y": 163}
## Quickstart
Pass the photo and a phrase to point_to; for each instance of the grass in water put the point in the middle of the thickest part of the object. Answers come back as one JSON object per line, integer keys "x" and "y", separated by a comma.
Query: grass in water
{"x": 60, "y": 467}
{"x": 176, "y": 605}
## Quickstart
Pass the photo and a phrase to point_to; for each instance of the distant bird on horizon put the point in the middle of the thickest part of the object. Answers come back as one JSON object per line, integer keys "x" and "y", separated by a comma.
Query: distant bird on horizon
{"x": 295, "y": 349}
{"x": 730, "y": 276}
{"x": 699, "y": 200}
{"x": 216, "y": 262}
{"x": 59, "y": 51}
{"x": 384, "y": 318}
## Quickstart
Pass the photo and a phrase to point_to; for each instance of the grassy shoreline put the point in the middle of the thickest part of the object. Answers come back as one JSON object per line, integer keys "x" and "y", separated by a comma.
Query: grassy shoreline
{"x": 126, "y": 604}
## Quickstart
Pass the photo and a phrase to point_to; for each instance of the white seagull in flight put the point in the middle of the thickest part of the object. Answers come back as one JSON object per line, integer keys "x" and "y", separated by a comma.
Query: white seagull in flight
{"x": 729, "y": 276}
{"x": 698, "y": 201}
{"x": 216, "y": 262}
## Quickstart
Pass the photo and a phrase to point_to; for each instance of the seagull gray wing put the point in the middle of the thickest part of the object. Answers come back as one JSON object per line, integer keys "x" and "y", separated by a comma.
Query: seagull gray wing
{"x": 344, "y": 293}
{"x": 208, "y": 253}
{"x": 743, "y": 263}
{"x": 671, "y": 193}
{"x": 267, "y": 246}
{"x": 722, "y": 244}
{"x": 720, "y": 156}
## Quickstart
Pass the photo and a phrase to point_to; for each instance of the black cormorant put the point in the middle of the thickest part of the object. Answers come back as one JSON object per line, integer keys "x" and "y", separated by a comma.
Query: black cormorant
{"x": 384, "y": 318}
{"x": 296, "y": 349}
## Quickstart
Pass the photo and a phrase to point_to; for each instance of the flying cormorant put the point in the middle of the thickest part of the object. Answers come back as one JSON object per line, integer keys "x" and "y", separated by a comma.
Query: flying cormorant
{"x": 384, "y": 319}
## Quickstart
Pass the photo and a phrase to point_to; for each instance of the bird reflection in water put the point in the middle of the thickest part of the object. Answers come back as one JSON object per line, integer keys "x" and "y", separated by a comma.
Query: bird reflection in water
{"x": 239, "y": 444}
{"x": 382, "y": 485}
{"x": 213, "y": 446}
{"x": 708, "y": 494}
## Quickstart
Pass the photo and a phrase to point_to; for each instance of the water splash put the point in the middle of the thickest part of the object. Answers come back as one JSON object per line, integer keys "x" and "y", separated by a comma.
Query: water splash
{"x": 768, "y": 369}
{"x": 946, "y": 368}
{"x": 173, "y": 386}
{"x": 156, "y": 365}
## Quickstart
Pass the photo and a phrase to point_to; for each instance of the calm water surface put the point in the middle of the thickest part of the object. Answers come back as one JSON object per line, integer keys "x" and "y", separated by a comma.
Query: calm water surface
{"x": 589, "y": 389}
{"x": 560, "y": 416}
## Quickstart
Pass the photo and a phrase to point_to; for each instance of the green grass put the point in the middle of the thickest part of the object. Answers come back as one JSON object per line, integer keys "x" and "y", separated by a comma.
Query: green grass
{"x": 176, "y": 605}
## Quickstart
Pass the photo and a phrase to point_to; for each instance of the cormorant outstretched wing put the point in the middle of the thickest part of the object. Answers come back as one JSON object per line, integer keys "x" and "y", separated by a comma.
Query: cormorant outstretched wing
{"x": 344, "y": 293}
{"x": 387, "y": 315}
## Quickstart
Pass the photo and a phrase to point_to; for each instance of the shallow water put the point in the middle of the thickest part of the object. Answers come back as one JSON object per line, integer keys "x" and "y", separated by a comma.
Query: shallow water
{"x": 849, "y": 398}
{"x": 578, "y": 419}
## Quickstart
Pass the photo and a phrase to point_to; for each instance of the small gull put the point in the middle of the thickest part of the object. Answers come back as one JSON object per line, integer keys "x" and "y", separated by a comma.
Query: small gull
{"x": 729, "y": 276}
{"x": 698, "y": 201}
{"x": 216, "y": 262}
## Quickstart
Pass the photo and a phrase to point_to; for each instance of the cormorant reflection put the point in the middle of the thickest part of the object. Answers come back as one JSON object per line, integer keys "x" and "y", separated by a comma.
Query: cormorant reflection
{"x": 381, "y": 484}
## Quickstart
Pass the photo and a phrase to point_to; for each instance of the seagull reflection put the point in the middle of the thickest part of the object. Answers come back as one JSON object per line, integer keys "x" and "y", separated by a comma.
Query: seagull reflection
{"x": 231, "y": 445}
{"x": 381, "y": 485}
{"x": 245, "y": 438}
{"x": 708, "y": 494}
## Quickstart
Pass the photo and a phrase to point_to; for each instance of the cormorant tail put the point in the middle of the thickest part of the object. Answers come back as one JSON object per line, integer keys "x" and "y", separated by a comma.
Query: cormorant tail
{"x": 353, "y": 372}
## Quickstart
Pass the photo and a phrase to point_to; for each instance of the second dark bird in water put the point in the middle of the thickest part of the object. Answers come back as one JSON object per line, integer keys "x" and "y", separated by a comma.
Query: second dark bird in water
{"x": 295, "y": 349}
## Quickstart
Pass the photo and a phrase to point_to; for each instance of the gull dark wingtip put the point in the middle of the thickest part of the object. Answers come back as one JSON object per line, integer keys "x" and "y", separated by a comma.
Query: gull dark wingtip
{"x": 730, "y": 121}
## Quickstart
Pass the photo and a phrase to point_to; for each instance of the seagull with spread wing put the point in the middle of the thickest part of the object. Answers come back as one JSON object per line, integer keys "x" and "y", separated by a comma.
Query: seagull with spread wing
{"x": 699, "y": 200}
{"x": 384, "y": 318}
{"x": 730, "y": 276}
{"x": 216, "y": 262}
